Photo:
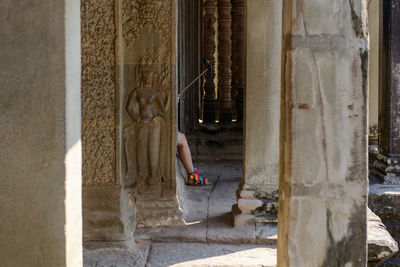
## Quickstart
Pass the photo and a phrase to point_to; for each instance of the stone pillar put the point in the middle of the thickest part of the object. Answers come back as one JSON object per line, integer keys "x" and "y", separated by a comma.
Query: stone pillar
{"x": 373, "y": 96}
{"x": 323, "y": 166}
{"x": 40, "y": 136}
{"x": 373, "y": 88}
{"x": 107, "y": 209}
{"x": 147, "y": 108}
{"x": 209, "y": 33}
{"x": 224, "y": 61}
{"x": 258, "y": 194}
{"x": 387, "y": 163}
{"x": 238, "y": 57}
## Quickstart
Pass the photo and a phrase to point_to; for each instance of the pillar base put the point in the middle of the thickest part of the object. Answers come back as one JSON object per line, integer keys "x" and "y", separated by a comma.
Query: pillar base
{"x": 385, "y": 168}
{"x": 160, "y": 211}
{"x": 256, "y": 206}
{"x": 157, "y": 214}
{"x": 209, "y": 113}
{"x": 225, "y": 117}
{"x": 108, "y": 215}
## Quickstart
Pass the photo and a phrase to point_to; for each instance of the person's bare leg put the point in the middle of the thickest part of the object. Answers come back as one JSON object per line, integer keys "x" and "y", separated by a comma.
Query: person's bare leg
{"x": 184, "y": 153}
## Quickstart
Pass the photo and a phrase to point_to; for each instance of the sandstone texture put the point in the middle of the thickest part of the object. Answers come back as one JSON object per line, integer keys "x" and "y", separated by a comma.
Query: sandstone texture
{"x": 183, "y": 254}
{"x": 381, "y": 244}
{"x": 207, "y": 213}
{"x": 384, "y": 201}
{"x": 40, "y": 147}
{"x": 323, "y": 168}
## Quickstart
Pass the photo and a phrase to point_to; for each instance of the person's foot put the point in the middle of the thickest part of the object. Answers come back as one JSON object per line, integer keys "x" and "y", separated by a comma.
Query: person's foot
{"x": 196, "y": 180}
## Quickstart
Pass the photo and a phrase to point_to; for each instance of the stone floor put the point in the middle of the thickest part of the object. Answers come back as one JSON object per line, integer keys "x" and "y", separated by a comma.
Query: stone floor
{"x": 206, "y": 239}
{"x": 207, "y": 213}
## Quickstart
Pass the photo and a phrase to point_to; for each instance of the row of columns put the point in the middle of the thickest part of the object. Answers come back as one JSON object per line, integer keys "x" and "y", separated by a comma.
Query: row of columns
{"x": 231, "y": 68}
{"x": 321, "y": 141}
{"x": 323, "y": 184}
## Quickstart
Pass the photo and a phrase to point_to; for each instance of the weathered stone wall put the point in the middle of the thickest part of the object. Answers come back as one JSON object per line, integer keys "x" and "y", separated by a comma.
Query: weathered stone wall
{"x": 147, "y": 116}
{"x": 98, "y": 92}
{"x": 323, "y": 168}
{"x": 40, "y": 158}
{"x": 107, "y": 210}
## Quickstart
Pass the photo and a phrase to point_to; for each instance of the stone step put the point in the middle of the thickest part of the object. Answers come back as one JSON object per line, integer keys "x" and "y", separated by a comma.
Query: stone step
{"x": 182, "y": 254}
{"x": 220, "y": 233}
{"x": 192, "y": 254}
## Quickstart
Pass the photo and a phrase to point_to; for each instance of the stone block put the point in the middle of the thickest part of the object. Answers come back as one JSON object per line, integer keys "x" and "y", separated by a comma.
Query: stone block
{"x": 247, "y": 194}
{"x": 243, "y": 219}
{"x": 384, "y": 201}
{"x": 381, "y": 244}
{"x": 108, "y": 214}
{"x": 249, "y": 205}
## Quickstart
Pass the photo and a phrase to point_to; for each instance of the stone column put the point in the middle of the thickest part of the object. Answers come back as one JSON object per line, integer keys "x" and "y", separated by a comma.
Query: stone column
{"x": 209, "y": 33}
{"x": 373, "y": 95}
{"x": 147, "y": 108}
{"x": 238, "y": 56}
{"x": 387, "y": 163}
{"x": 40, "y": 136}
{"x": 224, "y": 61}
{"x": 258, "y": 194}
{"x": 107, "y": 209}
{"x": 323, "y": 165}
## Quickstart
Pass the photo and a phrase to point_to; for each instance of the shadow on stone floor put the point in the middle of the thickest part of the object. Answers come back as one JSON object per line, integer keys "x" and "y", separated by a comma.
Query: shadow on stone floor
{"x": 207, "y": 237}
{"x": 183, "y": 254}
{"x": 207, "y": 212}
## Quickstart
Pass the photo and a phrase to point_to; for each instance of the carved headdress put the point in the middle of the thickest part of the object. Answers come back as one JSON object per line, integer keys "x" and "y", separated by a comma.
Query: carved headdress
{"x": 150, "y": 59}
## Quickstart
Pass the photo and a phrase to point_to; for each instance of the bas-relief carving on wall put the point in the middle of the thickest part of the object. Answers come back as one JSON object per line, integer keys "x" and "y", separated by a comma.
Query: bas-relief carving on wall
{"x": 146, "y": 31}
{"x": 145, "y": 140}
{"x": 150, "y": 16}
{"x": 98, "y": 93}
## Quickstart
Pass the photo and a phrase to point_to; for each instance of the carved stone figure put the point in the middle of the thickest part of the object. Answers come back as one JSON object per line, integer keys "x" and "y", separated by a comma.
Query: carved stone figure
{"x": 144, "y": 138}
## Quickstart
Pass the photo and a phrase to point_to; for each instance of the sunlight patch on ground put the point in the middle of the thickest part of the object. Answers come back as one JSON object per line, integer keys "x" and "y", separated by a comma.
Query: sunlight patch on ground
{"x": 250, "y": 257}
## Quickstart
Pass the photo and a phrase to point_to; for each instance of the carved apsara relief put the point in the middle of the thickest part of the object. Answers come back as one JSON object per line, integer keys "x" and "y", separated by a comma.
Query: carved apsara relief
{"x": 98, "y": 92}
{"x": 147, "y": 132}
{"x": 145, "y": 140}
{"x": 146, "y": 136}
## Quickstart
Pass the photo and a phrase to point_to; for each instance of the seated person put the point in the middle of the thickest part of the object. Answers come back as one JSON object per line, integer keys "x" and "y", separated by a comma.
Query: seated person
{"x": 193, "y": 177}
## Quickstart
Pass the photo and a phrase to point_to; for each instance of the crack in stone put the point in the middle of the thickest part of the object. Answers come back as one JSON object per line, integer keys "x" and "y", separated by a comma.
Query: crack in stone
{"x": 321, "y": 102}
{"x": 148, "y": 255}
{"x": 208, "y": 206}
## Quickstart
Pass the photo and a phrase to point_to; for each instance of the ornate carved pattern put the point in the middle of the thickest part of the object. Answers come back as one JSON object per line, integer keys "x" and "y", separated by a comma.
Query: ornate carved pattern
{"x": 224, "y": 60}
{"x": 238, "y": 56}
{"x": 98, "y": 92}
{"x": 149, "y": 15}
{"x": 209, "y": 24}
